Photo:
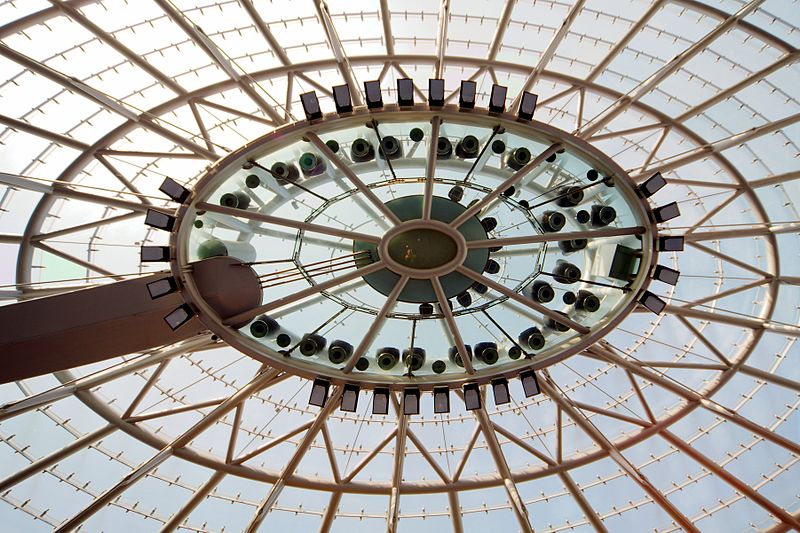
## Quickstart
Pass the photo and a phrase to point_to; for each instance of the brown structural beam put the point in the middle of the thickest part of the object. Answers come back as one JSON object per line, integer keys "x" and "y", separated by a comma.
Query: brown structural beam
{"x": 86, "y": 326}
{"x": 91, "y": 325}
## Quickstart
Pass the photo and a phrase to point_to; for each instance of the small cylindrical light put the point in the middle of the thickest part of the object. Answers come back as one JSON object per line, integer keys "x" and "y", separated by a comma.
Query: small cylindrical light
{"x": 162, "y": 287}
{"x": 497, "y": 99}
{"x": 587, "y": 301}
{"x": 411, "y": 401}
{"x": 666, "y": 275}
{"x": 532, "y": 338}
{"x": 157, "y": 219}
{"x": 666, "y": 212}
{"x": 444, "y": 148}
{"x": 425, "y": 309}
{"x": 311, "y": 164}
{"x": 372, "y": 91}
{"x": 553, "y": 221}
{"x": 518, "y": 158}
{"x": 312, "y": 344}
{"x": 414, "y": 358}
{"x": 569, "y": 196}
{"x": 339, "y": 351}
{"x": 441, "y": 400}
{"x": 530, "y": 385}
{"x": 652, "y": 185}
{"x": 500, "y": 391}
{"x": 670, "y": 244}
{"x": 565, "y": 272}
{"x": 436, "y": 92}
{"x": 152, "y": 254}
{"x": 179, "y": 316}
{"x": 319, "y": 392}
{"x": 487, "y": 353}
{"x": 558, "y": 325}
{"x": 572, "y": 245}
{"x": 175, "y": 190}
{"x": 235, "y": 199}
{"x": 603, "y": 215}
{"x": 472, "y": 396}
{"x": 264, "y": 326}
{"x": 652, "y": 303}
{"x": 405, "y": 92}
{"x": 542, "y": 292}
{"x": 456, "y": 193}
{"x": 380, "y": 401}
{"x": 439, "y": 366}
{"x": 361, "y": 151}
{"x": 464, "y": 299}
{"x": 311, "y": 105}
{"x": 387, "y": 357}
{"x": 489, "y": 224}
{"x": 466, "y": 96}
{"x": 342, "y": 100}
{"x": 455, "y": 357}
{"x": 349, "y": 398}
{"x": 468, "y": 147}
{"x": 492, "y": 267}
{"x": 527, "y": 106}
{"x": 285, "y": 171}
{"x": 390, "y": 148}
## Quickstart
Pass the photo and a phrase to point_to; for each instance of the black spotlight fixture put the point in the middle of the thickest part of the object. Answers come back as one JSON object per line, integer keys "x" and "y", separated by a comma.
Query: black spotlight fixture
{"x": 472, "y": 396}
{"x": 319, "y": 392}
{"x": 487, "y": 352}
{"x": 652, "y": 185}
{"x": 464, "y": 299}
{"x": 527, "y": 106}
{"x": 492, "y": 267}
{"x": 489, "y": 224}
{"x": 466, "y": 97}
{"x": 380, "y": 401}
{"x": 312, "y": 344}
{"x": 436, "y": 92}
{"x": 155, "y": 254}
{"x": 670, "y": 244}
{"x": 340, "y": 351}
{"x": 497, "y": 99}
{"x": 500, "y": 391}
{"x": 311, "y": 105}
{"x": 405, "y": 92}
{"x": 652, "y": 303}
{"x": 349, "y": 398}
{"x": 175, "y": 190}
{"x": 162, "y": 287}
{"x": 235, "y": 199}
{"x": 441, "y": 400}
{"x": 456, "y": 194}
{"x": 411, "y": 401}
{"x": 341, "y": 97}
{"x": 264, "y": 326}
{"x": 530, "y": 385}
{"x": 666, "y": 212}
{"x": 159, "y": 220}
{"x": 426, "y": 309}
{"x": 372, "y": 90}
{"x": 666, "y": 275}
{"x": 179, "y": 316}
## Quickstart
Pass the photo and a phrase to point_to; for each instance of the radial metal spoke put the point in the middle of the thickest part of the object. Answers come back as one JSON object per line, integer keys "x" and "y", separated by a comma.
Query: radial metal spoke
{"x": 743, "y": 488}
{"x": 58, "y": 138}
{"x": 305, "y": 293}
{"x": 528, "y": 302}
{"x": 756, "y": 230}
{"x": 345, "y": 169}
{"x": 291, "y": 465}
{"x": 288, "y": 223}
{"x": 555, "y": 237}
{"x": 550, "y": 51}
{"x": 335, "y": 44}
{"x": 397, "y": 470}
{"x": 514, "y": 498}
{"x": 376, "y": 325}
{"x": 330, "y": 512}
{"x": 609, "y": 354}
{"x": 41, "y": 399}
{"x": 197, "y": 498}
{"x": 370, "y": 456}
{"x": 430, "y": 169}
{"x": 734, "y": 320}
{"x": 600, "y": 439}
{"x": 168, "y": 451}
{"x": 512, "y": 180}
{"x": 624, "y": 102}
{"x": 441, "y": 38}
{"x": 57, "y": 456}
{"x": 444, "y": 305}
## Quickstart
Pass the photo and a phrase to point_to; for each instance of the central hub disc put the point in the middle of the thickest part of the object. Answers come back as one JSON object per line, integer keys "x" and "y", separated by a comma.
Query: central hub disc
{"x": 422, "y": 248}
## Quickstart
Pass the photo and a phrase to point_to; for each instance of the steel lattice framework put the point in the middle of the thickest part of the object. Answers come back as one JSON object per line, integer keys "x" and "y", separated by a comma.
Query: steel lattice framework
{"x": 685, "y": 421}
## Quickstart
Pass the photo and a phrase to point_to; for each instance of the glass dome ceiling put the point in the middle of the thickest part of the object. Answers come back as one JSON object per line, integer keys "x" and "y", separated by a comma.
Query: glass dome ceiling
{"x": 685, "y": 420}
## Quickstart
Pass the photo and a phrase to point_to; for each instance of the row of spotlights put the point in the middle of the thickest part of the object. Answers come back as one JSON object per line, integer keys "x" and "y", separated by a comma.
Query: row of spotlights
{"x": 411, "y": 395}
{"x": 405, "y": 97}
